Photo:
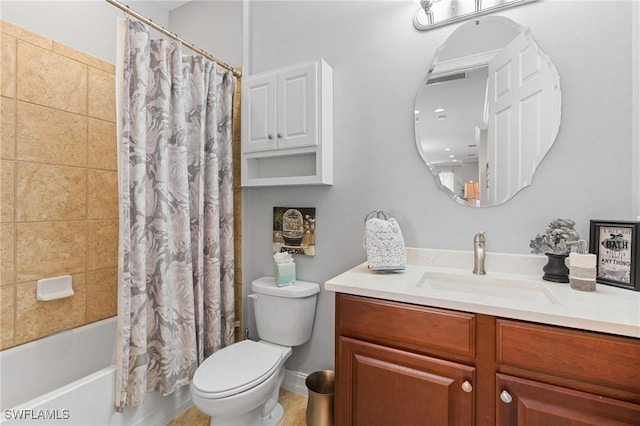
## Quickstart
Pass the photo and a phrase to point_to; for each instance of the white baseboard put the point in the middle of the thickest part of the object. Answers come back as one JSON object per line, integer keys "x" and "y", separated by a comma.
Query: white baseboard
{"x": 294, "y": 382}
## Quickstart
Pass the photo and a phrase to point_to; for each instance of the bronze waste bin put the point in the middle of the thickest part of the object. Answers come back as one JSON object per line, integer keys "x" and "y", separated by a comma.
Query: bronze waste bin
{"x": 320, "y": 386}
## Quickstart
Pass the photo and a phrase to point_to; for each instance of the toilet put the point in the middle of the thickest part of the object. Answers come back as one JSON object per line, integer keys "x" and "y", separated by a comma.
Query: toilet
{"x": 240, "y": 384}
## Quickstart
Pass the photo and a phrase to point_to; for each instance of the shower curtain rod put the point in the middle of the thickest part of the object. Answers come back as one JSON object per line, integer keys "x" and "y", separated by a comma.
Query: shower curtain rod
{"x": 168, "y": 33}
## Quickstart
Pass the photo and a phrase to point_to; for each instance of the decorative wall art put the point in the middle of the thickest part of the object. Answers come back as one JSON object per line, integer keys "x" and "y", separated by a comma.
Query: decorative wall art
{"x": 294, "y": 230}
{"x": 616, "y": 245}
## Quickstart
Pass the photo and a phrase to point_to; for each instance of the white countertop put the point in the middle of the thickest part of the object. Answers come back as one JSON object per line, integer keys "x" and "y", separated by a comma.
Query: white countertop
{"x": 609, "y": 309}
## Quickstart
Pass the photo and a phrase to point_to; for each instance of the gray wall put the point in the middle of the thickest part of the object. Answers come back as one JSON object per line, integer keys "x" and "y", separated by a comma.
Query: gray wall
{"x": 89, "y": 26}
{"x": 215, "y": 26}
{"x": 378, "y": 60}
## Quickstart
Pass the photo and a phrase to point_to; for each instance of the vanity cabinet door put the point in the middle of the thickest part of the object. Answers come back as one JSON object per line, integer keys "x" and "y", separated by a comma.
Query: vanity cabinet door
{"x": 524, "y": 402}
{"x": 379, "y": 385}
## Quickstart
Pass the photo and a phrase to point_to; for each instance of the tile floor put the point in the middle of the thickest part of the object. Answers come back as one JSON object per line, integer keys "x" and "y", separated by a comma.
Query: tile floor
{"x": 295, "y": 409}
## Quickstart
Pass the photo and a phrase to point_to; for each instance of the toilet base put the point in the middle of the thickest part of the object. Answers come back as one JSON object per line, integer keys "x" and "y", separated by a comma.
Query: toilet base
{"x": 252, "y": 418}
{"x": 275, "y": 417}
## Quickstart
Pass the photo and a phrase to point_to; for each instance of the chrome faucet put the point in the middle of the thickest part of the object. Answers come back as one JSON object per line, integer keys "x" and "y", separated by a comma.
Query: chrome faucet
{"x": 478, "y": 253}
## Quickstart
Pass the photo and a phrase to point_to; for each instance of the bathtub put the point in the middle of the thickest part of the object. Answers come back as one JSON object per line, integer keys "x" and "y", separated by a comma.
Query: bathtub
{"x": 69, "y": 379}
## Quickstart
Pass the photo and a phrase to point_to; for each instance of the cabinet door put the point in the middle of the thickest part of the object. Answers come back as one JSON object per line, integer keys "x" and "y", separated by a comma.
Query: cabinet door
{"x": 259, "y": 113}
{"x": 528, "y": 403}
{"x": 377, "y": 385}
{"x": 298, "y": 107}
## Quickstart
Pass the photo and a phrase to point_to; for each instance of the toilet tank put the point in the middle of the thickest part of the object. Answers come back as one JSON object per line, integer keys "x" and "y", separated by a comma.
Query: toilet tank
{"x": 284, "y": 315}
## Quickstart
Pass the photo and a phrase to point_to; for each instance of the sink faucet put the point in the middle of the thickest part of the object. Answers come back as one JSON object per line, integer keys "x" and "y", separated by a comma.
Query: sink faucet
{"x": 478, "y": 253}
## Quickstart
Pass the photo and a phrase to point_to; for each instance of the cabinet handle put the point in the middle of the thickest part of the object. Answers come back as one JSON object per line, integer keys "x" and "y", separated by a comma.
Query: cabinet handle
{"x": 279, "y": 135}
{"x": 505, "y": 397}
{"x": 270, "y": 136}
{"x": 466, "y": 386}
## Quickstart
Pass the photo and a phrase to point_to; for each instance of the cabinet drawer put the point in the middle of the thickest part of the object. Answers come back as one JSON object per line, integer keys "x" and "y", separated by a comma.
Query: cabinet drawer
{"x": 405, "y": 325}
{"x": 586, "y": 356}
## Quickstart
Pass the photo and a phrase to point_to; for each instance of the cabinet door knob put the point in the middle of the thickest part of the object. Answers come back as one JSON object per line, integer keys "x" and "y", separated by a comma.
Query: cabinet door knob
{"x": 279, "y": 135}
{"x": 270, "y": 136}
{"x": 466, "y": 386}
{"x": 505, "y": 397}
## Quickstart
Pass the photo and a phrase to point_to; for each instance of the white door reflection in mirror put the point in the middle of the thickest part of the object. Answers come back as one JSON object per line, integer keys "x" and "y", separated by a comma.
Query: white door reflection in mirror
{"x": 487, "y": 112}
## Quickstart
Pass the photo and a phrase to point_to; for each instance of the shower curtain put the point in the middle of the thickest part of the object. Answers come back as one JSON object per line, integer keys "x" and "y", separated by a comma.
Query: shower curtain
{"x": 175, "y": 180}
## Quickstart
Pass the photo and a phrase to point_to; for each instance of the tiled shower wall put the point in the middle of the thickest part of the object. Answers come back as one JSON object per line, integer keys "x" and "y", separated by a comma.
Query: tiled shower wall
{"x": 59, "y": 208}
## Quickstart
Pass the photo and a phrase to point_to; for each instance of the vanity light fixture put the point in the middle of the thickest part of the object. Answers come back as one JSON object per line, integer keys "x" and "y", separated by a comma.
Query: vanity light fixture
{"x": 438, "y": 110}
{"x": 447, "y": 149}
{"x": 437, "y": 13}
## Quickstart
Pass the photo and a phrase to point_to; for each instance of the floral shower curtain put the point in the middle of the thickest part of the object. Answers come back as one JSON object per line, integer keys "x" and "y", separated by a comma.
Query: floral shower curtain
{"x": 175, "y": 273}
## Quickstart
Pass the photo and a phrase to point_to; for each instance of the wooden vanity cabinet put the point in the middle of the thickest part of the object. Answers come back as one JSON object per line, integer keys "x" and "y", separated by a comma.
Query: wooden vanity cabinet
{"x": 403, "y": 364}
{"x": 551, "y": 375}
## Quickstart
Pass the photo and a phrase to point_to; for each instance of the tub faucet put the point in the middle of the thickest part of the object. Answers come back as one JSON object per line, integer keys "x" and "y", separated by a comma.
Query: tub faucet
{"x": 478, "y": 253}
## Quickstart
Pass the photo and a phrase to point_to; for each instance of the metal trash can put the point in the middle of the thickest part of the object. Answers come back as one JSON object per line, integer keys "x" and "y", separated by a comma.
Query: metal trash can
{"x": 320, "y": 385}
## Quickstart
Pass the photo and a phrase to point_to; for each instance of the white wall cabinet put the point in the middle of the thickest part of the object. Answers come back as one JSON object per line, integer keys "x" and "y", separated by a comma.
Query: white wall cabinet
{"x": 287, "y": 126}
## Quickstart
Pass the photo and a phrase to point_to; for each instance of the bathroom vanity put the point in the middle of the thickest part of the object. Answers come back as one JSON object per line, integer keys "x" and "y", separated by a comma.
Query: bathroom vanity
{"x": 409, "y": 352}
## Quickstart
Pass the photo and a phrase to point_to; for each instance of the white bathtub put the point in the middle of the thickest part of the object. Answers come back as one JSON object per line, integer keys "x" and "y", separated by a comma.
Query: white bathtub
{"x": 69, "y": 379}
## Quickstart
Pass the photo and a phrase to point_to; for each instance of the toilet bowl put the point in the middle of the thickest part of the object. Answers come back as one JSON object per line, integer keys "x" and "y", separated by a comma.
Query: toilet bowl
{"x": 234, "y": 385}
{"x": 239, "y": 384}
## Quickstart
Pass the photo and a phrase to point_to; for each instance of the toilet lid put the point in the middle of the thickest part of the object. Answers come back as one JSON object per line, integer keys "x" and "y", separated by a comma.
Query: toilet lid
{"x": 267, "y": 285}
{"x": 236, "y": 368}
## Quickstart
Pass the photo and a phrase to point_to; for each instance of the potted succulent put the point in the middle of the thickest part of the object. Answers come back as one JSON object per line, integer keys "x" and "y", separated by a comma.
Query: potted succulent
{"x": 555, "y": 244}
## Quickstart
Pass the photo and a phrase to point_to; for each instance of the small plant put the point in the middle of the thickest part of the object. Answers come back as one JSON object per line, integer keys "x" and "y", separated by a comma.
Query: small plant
{"x": 555, "y": 238}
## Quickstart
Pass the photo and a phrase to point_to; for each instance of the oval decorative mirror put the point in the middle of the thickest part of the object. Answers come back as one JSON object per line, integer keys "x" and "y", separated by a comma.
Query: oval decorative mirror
{"x": 487, "y": 112}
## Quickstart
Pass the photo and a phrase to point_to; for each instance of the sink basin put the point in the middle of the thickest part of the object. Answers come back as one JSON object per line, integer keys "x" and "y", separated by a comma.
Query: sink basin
{"x": 468, "y": 285}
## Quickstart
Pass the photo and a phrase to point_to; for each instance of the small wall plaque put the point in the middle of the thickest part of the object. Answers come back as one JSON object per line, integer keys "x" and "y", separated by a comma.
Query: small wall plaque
{"x": 294, "y": 230}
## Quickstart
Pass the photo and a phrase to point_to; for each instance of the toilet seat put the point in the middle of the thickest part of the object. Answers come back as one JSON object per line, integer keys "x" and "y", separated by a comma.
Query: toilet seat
{"x": 236, "y": 368}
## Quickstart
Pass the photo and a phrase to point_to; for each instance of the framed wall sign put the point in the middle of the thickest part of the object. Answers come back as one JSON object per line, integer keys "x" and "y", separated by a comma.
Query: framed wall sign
{"x": 294, "y": 230}
{"x": 616, "y": 245}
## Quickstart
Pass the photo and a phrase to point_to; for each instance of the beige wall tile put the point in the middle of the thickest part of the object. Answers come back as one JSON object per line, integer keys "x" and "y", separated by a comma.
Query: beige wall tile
{"x": 47, "y": 142}
{"x": 7, "y": 186}
{"x": 102, "y": 294}
{"x": 7, "y": 128}
{"x": 7, "y": 313}
{"x": 103, "y": 244}
{"x": 85, "y": 58}
{"x": 8, "y": 66}
{"x": 49, "y": 79}
{"x": 28, "y": 36}
{"x": 102, "y": 145}
{"x": 50, "y": 249}
{"x": 102, "y": 194}
{"x": 35, "y": 319}
{"x": 47, "y": 192}
{"x": 7, "y": 254}
{"x": 48, "y": 135}
{"x": 102, "y": 99}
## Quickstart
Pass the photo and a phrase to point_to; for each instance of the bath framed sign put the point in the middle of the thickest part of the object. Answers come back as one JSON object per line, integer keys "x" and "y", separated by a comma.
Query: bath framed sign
{"x": 616, "y": 245}
{"x": 294, "y": 230}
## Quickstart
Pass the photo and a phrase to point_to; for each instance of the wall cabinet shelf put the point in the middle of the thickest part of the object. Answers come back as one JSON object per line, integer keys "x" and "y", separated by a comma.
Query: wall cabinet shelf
{"x": 287, "y": 126}
{"x": 398, "y": 363}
